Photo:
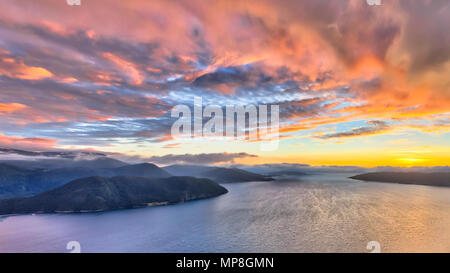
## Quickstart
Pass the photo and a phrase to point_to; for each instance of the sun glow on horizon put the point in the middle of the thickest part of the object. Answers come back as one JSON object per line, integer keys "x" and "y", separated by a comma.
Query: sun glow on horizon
{"x": 352, "y": 84}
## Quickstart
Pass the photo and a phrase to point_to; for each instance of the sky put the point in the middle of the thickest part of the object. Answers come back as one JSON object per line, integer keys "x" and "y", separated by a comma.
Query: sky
{"x": 356, "y": 84}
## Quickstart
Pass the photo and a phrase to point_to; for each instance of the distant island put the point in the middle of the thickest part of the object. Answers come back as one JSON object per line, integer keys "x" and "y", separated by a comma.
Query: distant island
{"x": 287, "y": 173}
{"x": 441, "y": 179}
{"x": 94, "y": 194}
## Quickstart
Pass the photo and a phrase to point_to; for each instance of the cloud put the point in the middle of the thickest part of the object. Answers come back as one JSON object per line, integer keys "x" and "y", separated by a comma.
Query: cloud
{"x": 205, "y": 159}
{"x": 16, "y": 68}
{"x": 11, "y": 107}
{"x": 16, "y": 154}
{"x": 376, "y": 127}
{"x": 95, "y": 81}
{"x": 26, "y": 142}
{"x": 54, "y": 101}
{"x": 305, "y": 168}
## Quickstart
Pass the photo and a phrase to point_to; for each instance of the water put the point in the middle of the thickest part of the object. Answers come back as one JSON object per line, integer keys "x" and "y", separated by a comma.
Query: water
{"x": 314, "y": 214}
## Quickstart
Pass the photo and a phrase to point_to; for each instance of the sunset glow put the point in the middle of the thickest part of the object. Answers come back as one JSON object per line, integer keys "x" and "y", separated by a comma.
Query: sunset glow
{"x": 356, "y": 84}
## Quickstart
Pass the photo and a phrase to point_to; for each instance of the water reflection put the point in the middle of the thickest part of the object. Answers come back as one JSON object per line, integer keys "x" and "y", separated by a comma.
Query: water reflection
{"x": 319, "y": 213}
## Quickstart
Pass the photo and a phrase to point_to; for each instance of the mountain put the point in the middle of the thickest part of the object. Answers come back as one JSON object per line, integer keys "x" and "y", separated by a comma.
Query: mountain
{"x": 232, "y": 175}
{"x": 20, "y": 182}
{"x": 218, "y": 174}
{"x": 144, "y": 169}
{"x": 13, "y": 179}
{"x": 121, "y": 192}
{"x": 45, "y": 180}
{"x": 417, "y": 178}
{"x": 99, "y": 163}
{"x": 189, "y": 170}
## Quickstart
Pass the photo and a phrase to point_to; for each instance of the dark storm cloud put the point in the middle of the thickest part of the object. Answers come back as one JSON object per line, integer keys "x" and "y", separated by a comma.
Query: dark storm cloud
{"x": 232, "y": 75}
{"x": 302, "y": 108}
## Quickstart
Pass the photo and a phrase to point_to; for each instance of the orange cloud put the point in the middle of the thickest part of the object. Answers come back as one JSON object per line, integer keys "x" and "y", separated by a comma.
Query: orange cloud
{"x": 11, "y": 107}
{"x": 26, "y": 143}
{"x": 17, "y": 69}
{"x": 372, "y": 61}
{"x": 127, "y": 67}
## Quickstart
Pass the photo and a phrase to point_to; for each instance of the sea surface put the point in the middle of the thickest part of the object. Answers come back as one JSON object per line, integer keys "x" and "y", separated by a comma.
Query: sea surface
{"x": 316, "y": 213}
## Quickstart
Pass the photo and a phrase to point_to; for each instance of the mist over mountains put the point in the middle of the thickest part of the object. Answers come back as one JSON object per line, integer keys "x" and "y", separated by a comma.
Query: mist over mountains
{"x": 66, "y": 154}
{"x": 98, "y": 159}
{"x": 32, "y": 173}
{"x": 271, "y": 169}
{"x": 37, "y": 172}
{"x": 55, "y": 182}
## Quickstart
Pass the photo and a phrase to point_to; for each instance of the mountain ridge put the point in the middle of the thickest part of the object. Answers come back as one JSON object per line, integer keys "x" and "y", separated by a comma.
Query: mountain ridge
{"x": 218, "y": 174}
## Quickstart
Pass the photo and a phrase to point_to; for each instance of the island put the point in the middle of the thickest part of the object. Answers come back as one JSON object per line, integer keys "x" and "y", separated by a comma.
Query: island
{"x": 441, "y": 179}
{"x": 287, "y": 173}
{"x": 93, "y": 194}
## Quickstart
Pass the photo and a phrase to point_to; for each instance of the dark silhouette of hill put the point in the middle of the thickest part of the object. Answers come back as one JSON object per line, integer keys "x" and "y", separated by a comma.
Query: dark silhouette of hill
{"x": 218, "y": 174}
{"x": 417, "y": 178}
{"x": 233, "y": 175}
{"x": 99, "y": 163}
{"x": 120, "y": 192}
{"x": 190, "y": 170}
{"x": 144, "y": 169}
{"x": 14, "y": 179}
